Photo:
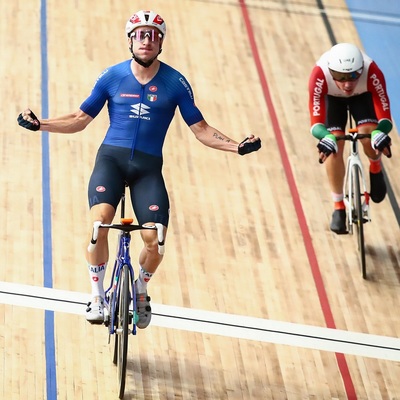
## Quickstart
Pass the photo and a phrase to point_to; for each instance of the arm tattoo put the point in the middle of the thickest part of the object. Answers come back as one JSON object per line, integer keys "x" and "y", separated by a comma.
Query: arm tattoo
{"x": 219, "y": 137}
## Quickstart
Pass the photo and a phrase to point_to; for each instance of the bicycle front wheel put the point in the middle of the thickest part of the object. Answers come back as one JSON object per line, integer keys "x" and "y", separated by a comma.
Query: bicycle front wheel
{"x": 113, "y": 317}
{"x": 122, "y": 332}
{"x": 358, "y": 219}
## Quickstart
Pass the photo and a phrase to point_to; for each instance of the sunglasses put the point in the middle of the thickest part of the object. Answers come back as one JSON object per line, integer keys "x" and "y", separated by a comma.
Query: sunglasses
{"x": 346, "y": 76}
{"x": 139, "y": 35}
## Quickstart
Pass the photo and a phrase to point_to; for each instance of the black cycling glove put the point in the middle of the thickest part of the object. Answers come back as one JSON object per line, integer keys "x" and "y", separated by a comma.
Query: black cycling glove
{"x": 32, "y": 126}
{"x": 327, "y": 145}
{"x": 249, "y": 147}
{"x": 380, "y": 140}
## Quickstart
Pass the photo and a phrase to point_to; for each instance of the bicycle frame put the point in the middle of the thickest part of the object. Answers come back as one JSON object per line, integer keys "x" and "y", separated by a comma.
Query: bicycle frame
{"x": 352, "y": 160}
{"x": 119, "y": 296}
{"x": 122, "y": 258}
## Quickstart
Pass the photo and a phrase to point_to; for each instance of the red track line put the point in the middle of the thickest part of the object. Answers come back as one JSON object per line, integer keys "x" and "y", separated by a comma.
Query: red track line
{"x": 316, "y": 272}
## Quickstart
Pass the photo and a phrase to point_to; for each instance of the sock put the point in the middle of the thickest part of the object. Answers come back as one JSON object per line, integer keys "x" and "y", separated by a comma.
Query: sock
{"x": 338, "y": 201}
{"x": 339, "y": 205}
{"x": 375, "y": 165}
{"x": 144, "y": 277}
{"x": 97, "y": 273}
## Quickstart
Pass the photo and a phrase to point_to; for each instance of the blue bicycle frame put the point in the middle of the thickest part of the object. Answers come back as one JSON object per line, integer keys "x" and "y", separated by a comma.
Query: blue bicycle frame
{"x": 122, "y": 258}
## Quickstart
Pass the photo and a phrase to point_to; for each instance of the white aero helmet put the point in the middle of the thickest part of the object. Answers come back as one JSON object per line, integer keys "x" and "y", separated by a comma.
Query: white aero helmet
{"x": 345, "y": 58}
{"x": 145, "y": 18}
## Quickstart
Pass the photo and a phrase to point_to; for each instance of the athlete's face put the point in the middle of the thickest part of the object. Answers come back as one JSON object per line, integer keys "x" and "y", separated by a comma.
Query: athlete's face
{"x": 347, "y": 87}
{"x": 145, "y": 42}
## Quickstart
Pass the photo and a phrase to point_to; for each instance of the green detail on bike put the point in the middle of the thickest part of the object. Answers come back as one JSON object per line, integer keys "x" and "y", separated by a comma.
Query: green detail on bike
{"x": 135, "y": 317}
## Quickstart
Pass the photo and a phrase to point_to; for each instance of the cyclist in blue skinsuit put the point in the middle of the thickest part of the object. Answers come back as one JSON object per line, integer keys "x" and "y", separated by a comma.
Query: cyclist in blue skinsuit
{"x": 142, "y": 95}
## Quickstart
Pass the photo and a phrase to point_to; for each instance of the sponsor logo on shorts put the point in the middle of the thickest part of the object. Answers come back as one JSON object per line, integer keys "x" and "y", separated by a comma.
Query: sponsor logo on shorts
{"x": 100, "y": 189}
{"x": 154, "y": 207}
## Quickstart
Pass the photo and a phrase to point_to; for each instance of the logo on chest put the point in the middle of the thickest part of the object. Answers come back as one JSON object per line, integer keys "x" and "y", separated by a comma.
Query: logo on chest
{"x": 152, "y": 97}
{"x": 140, "y": 110}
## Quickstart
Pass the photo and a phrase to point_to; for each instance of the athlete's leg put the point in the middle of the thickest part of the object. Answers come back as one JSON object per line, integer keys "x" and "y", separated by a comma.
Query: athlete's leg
{"x": 149, "y": 257}
{"x": 336, "y": 120}
{"x": 106, "y": 186}
{"x": 98, "y": 259}
{"x": 377, "y": 182}
{"x": 105, "y": 213}
{"x": 151, "y": 205}
{"x": 364, "y": 114}
{"x": 335, "y": 167}
{"x": 366, "y": 143}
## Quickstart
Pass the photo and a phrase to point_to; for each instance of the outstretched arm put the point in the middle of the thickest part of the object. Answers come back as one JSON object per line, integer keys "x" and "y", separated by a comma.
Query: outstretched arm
{"x": 70, "y": 123}
{"x": 213, "y": 138}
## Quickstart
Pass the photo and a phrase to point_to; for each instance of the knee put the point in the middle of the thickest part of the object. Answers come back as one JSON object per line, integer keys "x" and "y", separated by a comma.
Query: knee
{"x": 102, "y": 212}
{"x": 151, "y": 243}
{"x": 150, "y": 240}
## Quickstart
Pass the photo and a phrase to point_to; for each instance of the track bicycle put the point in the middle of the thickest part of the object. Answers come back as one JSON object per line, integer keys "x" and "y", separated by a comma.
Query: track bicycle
{"x": 120, "y": 312}
{"x": 356, "y": 196}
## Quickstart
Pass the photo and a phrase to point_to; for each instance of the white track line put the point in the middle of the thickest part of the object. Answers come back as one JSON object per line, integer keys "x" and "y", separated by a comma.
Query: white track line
{"x": 236, "y": 326}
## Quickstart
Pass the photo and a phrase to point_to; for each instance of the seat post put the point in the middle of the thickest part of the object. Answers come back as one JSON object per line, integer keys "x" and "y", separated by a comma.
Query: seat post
{"x": 123, "y": 203}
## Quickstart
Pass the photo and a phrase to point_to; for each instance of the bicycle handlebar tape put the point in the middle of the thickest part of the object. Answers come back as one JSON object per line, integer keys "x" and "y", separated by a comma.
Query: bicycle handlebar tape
{"x": 92, "y": 245}
{"x": 93, "y": 240}
{"x": 160, "y": 236}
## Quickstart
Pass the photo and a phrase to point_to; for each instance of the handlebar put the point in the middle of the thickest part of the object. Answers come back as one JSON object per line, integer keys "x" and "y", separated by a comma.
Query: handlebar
{"x": 353, "y": 136}
{"x": 127, "y": 228}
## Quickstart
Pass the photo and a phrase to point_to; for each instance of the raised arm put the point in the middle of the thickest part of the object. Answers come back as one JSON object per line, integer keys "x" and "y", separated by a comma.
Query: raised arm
{"x": 69, "y": 123}
{"x": 213, "y": 138}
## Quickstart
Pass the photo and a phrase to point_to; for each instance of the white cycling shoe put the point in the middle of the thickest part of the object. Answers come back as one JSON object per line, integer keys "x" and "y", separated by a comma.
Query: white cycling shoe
{"x": 95, "y": 310}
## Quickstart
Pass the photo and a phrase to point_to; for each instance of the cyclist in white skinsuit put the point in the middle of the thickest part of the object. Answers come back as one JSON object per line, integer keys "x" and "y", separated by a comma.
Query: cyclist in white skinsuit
{"x": 345, "y": 78}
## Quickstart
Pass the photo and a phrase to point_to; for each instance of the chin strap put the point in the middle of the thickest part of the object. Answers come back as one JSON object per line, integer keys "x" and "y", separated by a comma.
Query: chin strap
{"x": 143, "y": 63}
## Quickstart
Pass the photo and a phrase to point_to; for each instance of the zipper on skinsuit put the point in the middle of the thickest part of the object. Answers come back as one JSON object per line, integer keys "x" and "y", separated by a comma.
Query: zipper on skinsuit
{"x": 139, "y": 121}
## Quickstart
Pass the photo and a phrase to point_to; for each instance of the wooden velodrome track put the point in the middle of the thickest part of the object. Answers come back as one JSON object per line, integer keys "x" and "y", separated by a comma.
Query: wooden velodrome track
{"x": 248, "y": 235}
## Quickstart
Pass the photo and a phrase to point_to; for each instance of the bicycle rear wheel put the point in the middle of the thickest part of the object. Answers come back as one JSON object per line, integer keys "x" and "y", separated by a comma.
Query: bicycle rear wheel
{"x": 358, "y": 219}
{"x": 122, "y": 333}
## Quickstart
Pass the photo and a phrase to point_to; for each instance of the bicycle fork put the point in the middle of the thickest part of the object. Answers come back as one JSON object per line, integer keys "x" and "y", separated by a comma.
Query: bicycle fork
{"x": 348, "y": 189}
